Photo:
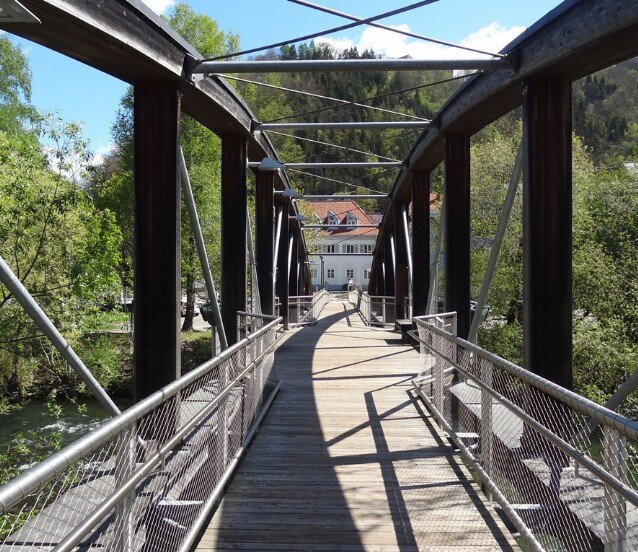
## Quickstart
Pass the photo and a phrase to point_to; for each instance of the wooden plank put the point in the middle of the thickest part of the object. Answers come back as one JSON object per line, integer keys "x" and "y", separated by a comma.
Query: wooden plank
{"x": 346, "y": 460}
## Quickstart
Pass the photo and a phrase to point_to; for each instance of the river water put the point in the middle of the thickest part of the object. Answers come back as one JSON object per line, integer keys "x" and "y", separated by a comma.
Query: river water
{"x": 35, "y": 417}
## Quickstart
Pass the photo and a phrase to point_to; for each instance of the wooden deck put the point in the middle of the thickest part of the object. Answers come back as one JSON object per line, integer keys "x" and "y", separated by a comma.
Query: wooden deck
{"x": 348, "y": 459}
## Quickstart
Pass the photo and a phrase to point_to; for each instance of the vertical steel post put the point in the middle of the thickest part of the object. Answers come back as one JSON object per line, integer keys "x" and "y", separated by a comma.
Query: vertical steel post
{"x": 487, "y": 432}
{"x": 420, "y": 241}
{"x": 457, "y": 228}
{"x": 264, "y": 236}
{"x": 233, "y": 218}
{"x": 547, "y": 229}
{"x": 614, "y": 505}
{"x": 124, "y": 527}
{"x": 157, "y": 236}
{"x": 388, "y": 267}
{"x": 401, "y": 276}
{"x": 282, "y": 264}
{"x": 437, "y": 371}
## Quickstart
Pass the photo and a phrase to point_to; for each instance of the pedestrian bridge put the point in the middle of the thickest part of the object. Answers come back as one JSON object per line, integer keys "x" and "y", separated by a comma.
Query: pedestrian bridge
{"x": 337, "y": 435}
{"x": 320, "y": 427}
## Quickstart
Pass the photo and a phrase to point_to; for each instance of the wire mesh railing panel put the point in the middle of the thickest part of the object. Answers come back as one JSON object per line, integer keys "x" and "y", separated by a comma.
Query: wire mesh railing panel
{"x": 375, "y": 310}
{"x": 306, "y": 309}
{"x": 562, "y": 467}
{"x": 142, "y": 480}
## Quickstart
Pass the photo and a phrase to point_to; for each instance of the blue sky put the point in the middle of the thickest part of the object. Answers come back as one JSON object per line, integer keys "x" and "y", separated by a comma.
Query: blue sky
{"x": 93, "y": 98}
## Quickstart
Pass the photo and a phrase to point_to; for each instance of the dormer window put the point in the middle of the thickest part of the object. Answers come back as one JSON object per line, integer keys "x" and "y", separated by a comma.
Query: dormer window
{"x": 351, "y": 220}
{"x": 332, "y": 219}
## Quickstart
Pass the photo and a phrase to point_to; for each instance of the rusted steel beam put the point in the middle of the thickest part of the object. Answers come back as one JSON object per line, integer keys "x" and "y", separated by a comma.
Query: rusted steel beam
{"x": 233, "y": 219}
{"x": 420, "y": 241}
{"x": 157, "y": 237}
{"x": 547, "y": 229}
{"x": 264, "y": 221}
{"x": 457, "y": 229}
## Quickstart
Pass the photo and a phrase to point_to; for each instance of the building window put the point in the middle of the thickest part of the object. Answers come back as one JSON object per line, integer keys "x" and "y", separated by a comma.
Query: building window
{"x": 332, "y": 219}
{"x": 352, "y": 248}
{"x": 330, "y": 273}
{"x": 330, "y": 249}
{"x": 351, "y": 220}
{"x": 366, "y": 248}
{"x": 349, "y": 273}
{"x": 313, "y": 273}
{"x": 366, "y": 273}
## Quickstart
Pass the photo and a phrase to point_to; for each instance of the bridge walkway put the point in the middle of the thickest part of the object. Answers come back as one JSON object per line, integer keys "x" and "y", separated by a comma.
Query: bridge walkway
{"x": 348, "y": 459}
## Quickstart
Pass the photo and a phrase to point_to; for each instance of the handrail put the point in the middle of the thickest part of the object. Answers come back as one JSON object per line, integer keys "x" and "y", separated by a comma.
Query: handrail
{"x": 525, "y": 432}
{"x": 364, "y": 304}
{"x": 35, "y": 478}
{"x": 629, "y": 493}
{"x": 601, "y": 414}
{"x": 314, "y": 305}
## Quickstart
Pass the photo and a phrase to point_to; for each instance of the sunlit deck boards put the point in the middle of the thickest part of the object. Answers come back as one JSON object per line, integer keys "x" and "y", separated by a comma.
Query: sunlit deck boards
{"x": 348, "y": 460}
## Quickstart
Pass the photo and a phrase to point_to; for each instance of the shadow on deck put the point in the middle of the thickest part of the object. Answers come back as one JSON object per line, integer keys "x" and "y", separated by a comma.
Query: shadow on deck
{"x": 348, "y": 459}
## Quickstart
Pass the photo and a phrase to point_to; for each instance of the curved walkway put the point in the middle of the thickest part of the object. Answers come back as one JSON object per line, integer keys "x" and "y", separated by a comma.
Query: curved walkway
{"x": 348, "y": 459}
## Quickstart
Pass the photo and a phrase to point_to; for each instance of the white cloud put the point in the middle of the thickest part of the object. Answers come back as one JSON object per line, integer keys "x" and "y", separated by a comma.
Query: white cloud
{"x": 159, "y": 6}
{"x": 338, "y": 44}
{"x": 101, "y": 153}
{"x": 490, "y": 38}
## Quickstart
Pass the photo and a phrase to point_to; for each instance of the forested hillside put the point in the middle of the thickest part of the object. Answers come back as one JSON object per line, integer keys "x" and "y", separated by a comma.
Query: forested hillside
{"x": 392, "y": 96}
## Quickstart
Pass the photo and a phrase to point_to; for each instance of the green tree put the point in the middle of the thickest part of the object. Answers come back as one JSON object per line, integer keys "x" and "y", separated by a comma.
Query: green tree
{"x": 15, "y": 89}
{"x": 57, "y": 243}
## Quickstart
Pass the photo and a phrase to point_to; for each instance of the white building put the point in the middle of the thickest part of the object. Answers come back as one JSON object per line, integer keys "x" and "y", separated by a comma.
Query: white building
{"x": 343, "y": 254}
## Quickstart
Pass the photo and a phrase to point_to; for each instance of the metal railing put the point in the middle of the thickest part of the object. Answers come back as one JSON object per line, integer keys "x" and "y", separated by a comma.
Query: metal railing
{"x": 305, "y": 309}
{"x": 148, "y": 478}
{"x": 376, "y": 310}
{"x": 563, "y": 468}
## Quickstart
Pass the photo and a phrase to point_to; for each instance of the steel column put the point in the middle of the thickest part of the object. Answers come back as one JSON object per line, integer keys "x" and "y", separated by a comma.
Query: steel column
{"x": 420, "y": 241}
{"x": 547, "y": 229}
{"x": 401, "y": 274}
{"x": 457, "y": 229}
{"x": 157, "y": 355}
{"x": 233, "y": 218}
{"x": 388, "y": 268}
{"x": 265, "y": 238}
{"x": 281, "y": 280}
{"x": 293, "y": 273}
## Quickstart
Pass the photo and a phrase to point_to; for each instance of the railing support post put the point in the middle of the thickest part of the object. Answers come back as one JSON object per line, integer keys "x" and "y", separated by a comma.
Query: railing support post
{"x": 124, "y": 466}
{"x": 233, "y": 218}
{"x": 487, "y": 434}
{"x": 157, "y": 236}
{"x": 439, "y": 367}
{"x": 614, "y": 505}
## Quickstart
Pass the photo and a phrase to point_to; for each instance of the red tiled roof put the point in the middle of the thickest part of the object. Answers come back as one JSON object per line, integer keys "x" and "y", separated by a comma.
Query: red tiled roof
{"x": 341, "y": 208}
